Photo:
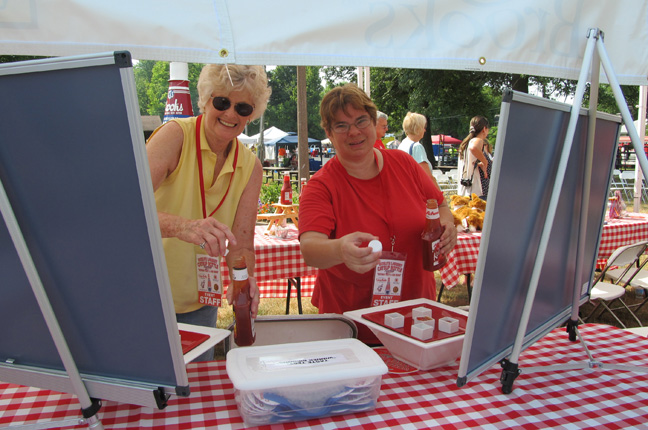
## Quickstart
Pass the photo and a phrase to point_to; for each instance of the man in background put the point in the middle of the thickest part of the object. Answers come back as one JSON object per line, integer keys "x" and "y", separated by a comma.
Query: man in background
{"x": 381, "y": 129}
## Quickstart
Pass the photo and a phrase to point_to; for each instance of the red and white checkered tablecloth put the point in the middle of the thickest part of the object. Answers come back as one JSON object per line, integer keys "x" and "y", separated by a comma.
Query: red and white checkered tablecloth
{"x": 277, "y": 260}
{"x": 621, "y": 231}
{"x": 616, "y": 232}
{"x": 574, "y": 399}
{"x": 462, "y": 259}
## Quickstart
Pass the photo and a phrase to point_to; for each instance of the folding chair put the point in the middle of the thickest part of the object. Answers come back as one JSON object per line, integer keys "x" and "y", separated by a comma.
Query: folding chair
{"x": 635, "y": 276}
{"x": 605, "y": 293}
{"x": 616, "y": 183}
{"x": 628, "y": 179}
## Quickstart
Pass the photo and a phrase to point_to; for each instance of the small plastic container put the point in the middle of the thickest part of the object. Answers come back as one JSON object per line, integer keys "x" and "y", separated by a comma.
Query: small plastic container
{"x": 299, "y": 381}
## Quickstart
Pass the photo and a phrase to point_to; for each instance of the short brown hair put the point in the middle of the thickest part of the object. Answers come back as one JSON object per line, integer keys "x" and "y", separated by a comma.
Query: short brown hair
{"x": 341, "y": 97}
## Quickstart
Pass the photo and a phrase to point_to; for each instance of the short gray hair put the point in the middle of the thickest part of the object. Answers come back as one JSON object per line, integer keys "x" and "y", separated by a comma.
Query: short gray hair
{"x": 382, "y": 115}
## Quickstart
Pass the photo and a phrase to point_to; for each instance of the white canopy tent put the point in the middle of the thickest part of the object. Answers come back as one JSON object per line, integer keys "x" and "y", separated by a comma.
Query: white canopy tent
{"x": 246, "y": 140}
{"x": 533, "y": 37}
{"x": 271, "y": 133}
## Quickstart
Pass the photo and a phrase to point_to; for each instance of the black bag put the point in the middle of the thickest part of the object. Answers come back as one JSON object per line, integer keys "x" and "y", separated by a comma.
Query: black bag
{"x": 467, "y": 182}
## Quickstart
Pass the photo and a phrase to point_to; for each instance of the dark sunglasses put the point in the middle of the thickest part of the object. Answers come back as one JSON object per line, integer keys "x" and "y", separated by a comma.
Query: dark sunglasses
{"x": 223, "y": 103}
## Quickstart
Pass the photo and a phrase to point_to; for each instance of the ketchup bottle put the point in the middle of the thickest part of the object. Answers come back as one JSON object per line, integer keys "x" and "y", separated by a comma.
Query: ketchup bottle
{"x": 244, "y": 334}
{"x": 286, "y": 192}
{"x": 432, "y": 257}
{"x": 303, "y": 185}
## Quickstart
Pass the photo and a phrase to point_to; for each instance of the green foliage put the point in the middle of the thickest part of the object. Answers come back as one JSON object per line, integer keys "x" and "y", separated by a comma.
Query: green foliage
{"x": 607, "y": 102}
{"x": 270, "y": 193}
{"x": 447, "y": 98}
{"x": 143, "y": 71}
{"x": 14, "y": 58}
{"x": 158, "y": 89}
{"x": 282, "y": 109}
{"x": 335, "y": 76}
{"x": 194, "y": 73}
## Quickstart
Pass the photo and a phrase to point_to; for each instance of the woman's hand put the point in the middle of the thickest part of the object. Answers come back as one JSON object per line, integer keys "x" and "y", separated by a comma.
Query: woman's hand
{"x": 208, "y": 233}
{"x": 484, "y": 168}
{"x": 356, "y": 257}
{"x": 254, "y": 296}
{"x": 351, "y": 250}
{"x": 449, "y": 235}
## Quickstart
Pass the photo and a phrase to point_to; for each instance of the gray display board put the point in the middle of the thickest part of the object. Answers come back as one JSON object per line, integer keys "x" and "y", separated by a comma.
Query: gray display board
{"x": 530, "y": 139}
{"x": 73, "y": 165}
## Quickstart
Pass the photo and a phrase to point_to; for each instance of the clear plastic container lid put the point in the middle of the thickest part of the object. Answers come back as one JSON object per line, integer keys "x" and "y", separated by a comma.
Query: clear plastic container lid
{"x": 285, "y": 365}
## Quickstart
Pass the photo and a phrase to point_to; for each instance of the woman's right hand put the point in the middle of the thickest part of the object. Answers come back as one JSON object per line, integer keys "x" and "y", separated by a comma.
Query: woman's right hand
{"x": 355, "y": 256}
{"x": 207, "y": 233}
{"x": 351, "y": 250}
{"x": 483, "y": 168}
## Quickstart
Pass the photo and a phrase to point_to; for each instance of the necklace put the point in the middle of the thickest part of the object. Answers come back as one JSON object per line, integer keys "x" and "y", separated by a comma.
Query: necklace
{"x": 200, "y": 170}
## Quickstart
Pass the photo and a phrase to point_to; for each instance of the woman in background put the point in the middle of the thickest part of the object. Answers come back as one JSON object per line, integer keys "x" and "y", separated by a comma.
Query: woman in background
{"x": 474, "y": 160}
{"x": 414, "y": 126}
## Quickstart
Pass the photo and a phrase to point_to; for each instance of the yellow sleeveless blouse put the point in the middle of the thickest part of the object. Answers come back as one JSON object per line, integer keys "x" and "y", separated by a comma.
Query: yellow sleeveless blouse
{"x": 179, "y": 194}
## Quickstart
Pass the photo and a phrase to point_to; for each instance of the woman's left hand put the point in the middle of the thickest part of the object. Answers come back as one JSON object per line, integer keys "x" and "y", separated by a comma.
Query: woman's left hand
{"x": 254, "y": 296}
{"x": 448, "y": 237}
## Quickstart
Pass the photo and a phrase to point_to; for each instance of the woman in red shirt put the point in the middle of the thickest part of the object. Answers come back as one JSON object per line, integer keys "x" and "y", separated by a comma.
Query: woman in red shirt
{"x": 360, "y": 195}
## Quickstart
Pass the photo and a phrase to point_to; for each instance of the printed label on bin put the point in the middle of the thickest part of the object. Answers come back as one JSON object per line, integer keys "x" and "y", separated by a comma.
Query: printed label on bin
{"x": 280, "y": 363}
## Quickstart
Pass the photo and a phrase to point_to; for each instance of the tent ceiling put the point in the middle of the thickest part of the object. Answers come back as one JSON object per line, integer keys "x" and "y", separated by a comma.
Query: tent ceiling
{"x": 536, "y": 37}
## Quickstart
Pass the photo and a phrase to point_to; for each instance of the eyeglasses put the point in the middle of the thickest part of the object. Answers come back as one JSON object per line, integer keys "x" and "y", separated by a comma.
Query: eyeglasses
{"x": 344, "y": 127}
{"x": 223, "y": 103}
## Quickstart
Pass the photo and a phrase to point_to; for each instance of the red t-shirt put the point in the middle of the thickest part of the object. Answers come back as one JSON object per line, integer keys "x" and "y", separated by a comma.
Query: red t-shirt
{"x": 336, "y": 204}
{"x": 379, "y": 144}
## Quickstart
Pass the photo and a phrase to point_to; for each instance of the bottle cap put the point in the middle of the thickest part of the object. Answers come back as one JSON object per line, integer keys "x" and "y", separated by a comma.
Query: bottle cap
{"x": 375, "y": 245}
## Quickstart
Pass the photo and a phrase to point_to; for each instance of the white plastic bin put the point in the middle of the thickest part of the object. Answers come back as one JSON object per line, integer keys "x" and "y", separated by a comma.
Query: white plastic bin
{"x": 298, "y": 381}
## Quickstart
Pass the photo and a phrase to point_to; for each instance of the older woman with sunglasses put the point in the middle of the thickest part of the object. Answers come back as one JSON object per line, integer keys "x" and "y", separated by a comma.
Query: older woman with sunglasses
{"x": 365, "y": 194}
{"x": 207, "y": 187}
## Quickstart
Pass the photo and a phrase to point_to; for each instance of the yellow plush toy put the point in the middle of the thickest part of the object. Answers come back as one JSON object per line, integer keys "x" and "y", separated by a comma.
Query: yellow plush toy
{"x": 459, "y": 201}
{"x": 475, "y": 221}
{"x": 468, "y": 212}
{"x": 477, "y": 203}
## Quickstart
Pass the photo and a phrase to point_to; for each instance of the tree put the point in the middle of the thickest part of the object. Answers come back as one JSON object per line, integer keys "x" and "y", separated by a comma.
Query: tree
{"x": 143, "y": 71}
{"x": 607, "y": 102}
{"x": 335, "y": 76}
{"x": 282, "y": 108}
{"x": 14, "y": 58}
{"x": 447, "y": 98}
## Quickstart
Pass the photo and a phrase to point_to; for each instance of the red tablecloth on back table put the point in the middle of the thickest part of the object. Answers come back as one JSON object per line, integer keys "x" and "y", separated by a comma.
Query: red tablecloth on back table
{"x": 575, "y": 399}
{"x": 616, "y": 233}
{"x": 277, "y": 260}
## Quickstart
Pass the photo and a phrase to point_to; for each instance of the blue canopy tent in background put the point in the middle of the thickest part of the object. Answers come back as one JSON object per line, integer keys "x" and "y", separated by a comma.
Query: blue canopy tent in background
{"x": 290, "y": 142}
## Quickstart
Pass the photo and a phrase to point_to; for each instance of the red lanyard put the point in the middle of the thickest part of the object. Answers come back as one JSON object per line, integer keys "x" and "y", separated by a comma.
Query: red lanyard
{"x": 386, "y": 204}
{"x": 200, "y": 170}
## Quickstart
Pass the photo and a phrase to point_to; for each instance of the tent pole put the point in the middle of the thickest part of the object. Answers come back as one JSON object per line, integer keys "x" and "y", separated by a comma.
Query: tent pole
{"x": 302, "y": 126}
{"x": 641, "y": 122}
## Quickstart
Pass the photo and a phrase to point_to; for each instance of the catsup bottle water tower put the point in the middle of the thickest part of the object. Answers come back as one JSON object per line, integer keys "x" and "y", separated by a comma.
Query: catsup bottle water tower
{"x": 178, "y": 103}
